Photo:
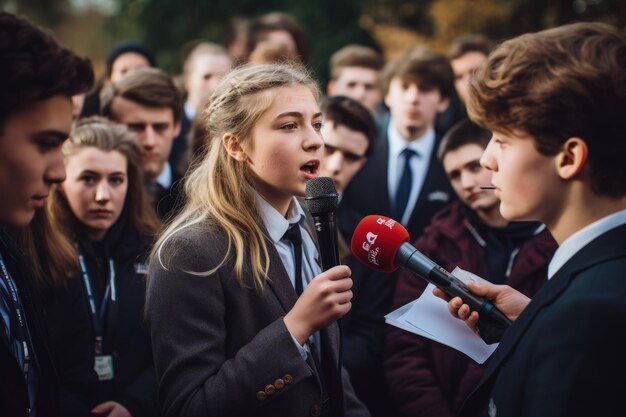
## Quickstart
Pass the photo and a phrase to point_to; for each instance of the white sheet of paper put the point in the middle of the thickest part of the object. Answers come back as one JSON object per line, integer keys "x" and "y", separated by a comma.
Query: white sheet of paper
{"x": 428, "y": 316}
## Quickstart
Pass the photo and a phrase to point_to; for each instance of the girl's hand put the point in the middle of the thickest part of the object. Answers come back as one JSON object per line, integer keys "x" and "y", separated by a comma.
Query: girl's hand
{"x": 323, "y": 301}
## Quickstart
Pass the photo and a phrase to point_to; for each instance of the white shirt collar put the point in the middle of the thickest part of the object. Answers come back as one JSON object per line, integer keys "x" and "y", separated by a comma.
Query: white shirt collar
{"x": 581, "y": 238}
{"x": 422, "y": 145}
{"x": 275, "y": 223}
{"x": 190, "y": 111}
{"x": 165, "y": 177}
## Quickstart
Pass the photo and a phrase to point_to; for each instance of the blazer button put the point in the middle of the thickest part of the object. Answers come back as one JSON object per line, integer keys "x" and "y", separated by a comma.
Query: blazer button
{"x": 270, "y": 389}
{"x": 316, "y": 410}
{"x": 279, "y": 383}
{"x": 288, "y": 379}
{"x": 261, "y": 396}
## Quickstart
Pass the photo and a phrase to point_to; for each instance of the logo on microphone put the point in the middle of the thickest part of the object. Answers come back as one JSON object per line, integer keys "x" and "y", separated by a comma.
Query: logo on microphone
{"x": 372, "y": 254}
{"x": 383, "y": 221}
{"x": 371, "y": 238}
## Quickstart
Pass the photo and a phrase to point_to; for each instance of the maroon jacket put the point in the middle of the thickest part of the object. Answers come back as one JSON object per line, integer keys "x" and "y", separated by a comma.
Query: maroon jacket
{"x": 427, "y": 378}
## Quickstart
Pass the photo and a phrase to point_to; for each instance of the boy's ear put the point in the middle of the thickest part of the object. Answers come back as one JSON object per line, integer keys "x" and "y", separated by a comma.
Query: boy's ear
{"x": 571, "y": 160}
{"x": 233, "y": 147}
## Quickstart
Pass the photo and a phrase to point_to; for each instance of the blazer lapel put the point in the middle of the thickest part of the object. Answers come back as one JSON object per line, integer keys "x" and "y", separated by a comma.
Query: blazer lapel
{"x": 596, "y": 252}
{"x": 280, "y": 284}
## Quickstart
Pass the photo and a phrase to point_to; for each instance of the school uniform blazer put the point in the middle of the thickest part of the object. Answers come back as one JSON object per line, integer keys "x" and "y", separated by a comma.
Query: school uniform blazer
{"x": 563, "y": 356}
{"x": 224, "y": 350}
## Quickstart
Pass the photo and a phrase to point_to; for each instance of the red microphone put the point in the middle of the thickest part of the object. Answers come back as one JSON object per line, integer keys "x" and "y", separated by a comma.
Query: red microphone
{"x": 376, "y": 241}
{"x": 382, "y": 244}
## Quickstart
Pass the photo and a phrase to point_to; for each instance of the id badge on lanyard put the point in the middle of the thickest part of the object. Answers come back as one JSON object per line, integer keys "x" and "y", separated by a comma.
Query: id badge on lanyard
{"x": 103, "y": 364}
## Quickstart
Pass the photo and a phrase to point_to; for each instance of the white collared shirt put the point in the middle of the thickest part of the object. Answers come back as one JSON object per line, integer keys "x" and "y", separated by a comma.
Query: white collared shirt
{"x": 165, "y": 177}
{"x": 419, "y": 166}
{"x": 581, "y": 238}
{"x": 190, "y": 111}
{"x": 276, "y": 226}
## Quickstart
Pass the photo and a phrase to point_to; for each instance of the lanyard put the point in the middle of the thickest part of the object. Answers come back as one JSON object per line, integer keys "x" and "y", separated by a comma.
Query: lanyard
{"x": 97, "y": 317}
{"x": 18, "y": 321}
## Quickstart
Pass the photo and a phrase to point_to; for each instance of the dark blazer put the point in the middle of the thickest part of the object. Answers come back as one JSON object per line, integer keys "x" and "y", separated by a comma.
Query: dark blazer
{"x": 224, "y": 350}
{"x": 364, "y": 328}
{"x": 429, "y": 379}
{"x": 13, "y": 392}
{"x": 125, "y": 335}
{"x": 169, "y": 201}
{"x": 563, "y": 356}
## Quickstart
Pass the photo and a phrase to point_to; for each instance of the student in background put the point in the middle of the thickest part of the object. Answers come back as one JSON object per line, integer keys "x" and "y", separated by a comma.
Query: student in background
{"x": 204, "y": 66}
{"x": 243, "y": 321}
{"x": 354, "y": 72}
{"x": 103, "y": 208}
{"x": 148, "y": 102}
{"x": 349, "y": 133}
{"x": 123, "y": 59}
{"x": 39, "y": 79}
{"x": 428, "y": 378}
{"x": 557, "y": 156}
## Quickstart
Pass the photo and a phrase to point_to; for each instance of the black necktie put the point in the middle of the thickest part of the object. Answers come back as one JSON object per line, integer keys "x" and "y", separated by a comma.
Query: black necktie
{"x": 293, "y": 235}
{"x": 405, "y": 184}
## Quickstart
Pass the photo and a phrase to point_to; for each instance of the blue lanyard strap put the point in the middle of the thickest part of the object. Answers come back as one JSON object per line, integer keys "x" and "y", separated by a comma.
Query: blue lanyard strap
{"x": 18, "y": 323}
{"x": 98, "y": 316}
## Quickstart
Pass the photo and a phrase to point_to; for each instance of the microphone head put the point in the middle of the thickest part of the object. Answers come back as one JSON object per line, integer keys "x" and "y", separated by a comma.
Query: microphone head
{"x": 376, "y": 241}
{"x": 321, "y": 195}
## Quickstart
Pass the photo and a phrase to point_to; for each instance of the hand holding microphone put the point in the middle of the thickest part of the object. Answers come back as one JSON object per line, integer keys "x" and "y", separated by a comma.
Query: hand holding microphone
{"x": 382, "y": 244}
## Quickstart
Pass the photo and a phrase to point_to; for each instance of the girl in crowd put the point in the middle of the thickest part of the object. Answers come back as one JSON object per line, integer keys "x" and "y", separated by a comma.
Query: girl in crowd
{"x": 103, "y": 208}
{"x": 229, "y": 333}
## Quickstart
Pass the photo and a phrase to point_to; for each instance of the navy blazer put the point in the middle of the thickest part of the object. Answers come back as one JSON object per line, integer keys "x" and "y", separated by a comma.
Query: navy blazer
{"x": 563, "y": 356}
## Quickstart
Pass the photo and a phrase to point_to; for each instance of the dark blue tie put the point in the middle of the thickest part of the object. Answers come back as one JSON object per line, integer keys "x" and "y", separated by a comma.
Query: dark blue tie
{"x": 405, "y": 184}
{"x": 295, "y": 237}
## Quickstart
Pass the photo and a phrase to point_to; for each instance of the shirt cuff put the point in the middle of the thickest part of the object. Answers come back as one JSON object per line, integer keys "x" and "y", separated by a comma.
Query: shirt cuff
{"x": 301, "y": 349}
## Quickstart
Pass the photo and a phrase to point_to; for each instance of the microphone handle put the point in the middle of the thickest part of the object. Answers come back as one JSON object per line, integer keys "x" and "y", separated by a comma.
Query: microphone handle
{"x": 326, "y": 230}
{"x": 492, "y": 322}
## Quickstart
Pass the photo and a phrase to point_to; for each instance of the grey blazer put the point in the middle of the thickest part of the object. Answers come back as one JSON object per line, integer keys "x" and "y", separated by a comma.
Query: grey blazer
{"x": 224, "y": 350}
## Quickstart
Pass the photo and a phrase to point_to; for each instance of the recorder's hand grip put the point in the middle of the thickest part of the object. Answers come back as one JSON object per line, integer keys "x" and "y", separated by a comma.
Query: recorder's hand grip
{"x": 491, "y": 323}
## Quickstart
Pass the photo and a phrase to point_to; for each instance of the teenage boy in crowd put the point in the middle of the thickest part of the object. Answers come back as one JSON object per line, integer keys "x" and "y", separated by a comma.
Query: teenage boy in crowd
{"x": 555, "y": 102}
{"x": 349, "y": 132}
{"x": 204, "y": 67}
{"x": 354, "y": 73}
{"x": 428, "y": 378}
{"x": 39, "y": 77}
{"x": 148, "y": 102}
{"x": 401, "y": 179}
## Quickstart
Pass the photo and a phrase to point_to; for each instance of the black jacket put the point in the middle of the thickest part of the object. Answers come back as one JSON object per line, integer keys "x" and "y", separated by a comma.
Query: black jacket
{"x": 13, "y": 391}
{"x": 125, "y": 334}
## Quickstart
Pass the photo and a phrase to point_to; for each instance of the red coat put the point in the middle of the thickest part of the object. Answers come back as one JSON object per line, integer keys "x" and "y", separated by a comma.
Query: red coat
{"x": 430, "y": 379}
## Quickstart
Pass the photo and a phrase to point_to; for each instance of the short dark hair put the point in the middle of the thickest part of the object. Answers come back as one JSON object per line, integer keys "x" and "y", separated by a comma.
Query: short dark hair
{"x": 149, "y": 87}
{"x": 463, "y": 133}
{"x": 557, "y": 84}
{"x": 469, "y": 43}
{"x": 36, "y": 67}
{"x": 422, "y": 66}
{"x": 344, "y": 111}
{"x": 355, "y": 56}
